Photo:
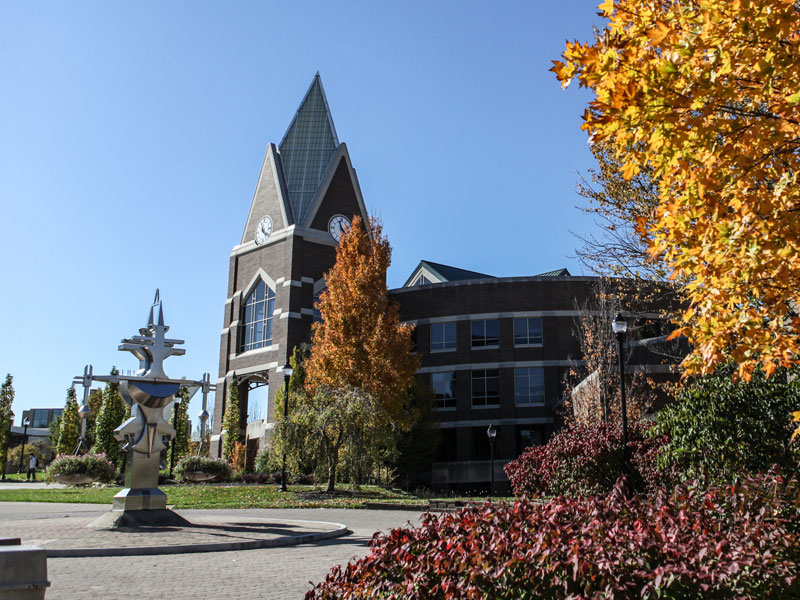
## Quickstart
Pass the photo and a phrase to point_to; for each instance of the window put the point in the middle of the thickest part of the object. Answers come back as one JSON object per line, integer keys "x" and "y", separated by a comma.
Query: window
{"x": 443, "y": 336}
{"x": 485, "y": 333}
{"x": 529, "y": 436}
{"x": 258, "y": 309}
{"x": 421, "y": 280}
{"x": 40, "y": 418}
{"x": 527, "y": 331}
{"x": 444, "y": 386}
{"x": 485, "y": 387}
{"x": 529, "y": 386}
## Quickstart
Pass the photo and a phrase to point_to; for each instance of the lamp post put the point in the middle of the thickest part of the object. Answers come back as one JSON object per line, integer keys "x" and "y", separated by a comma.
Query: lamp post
{"x": 492, "y": 433}
{"x": 620, "y": 326}
{"x": 25, "y": 423}
{"x": 175, "y": 437}
{"x": 286, "y": 370}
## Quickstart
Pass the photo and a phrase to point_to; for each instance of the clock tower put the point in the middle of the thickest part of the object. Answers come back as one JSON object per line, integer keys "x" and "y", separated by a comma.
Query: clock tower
{"x": 307, "y": 192}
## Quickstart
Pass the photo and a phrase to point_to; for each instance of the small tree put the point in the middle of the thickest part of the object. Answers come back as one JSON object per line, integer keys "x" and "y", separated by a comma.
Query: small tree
{"x": 333, "y": 417}
{"x": 230, "y": 423}
{"x": 592, "y": 384}
{"x": 6, "y": 418}
{"x": 95, "y": 405}
{"x": 181, "y": 423}
{"x": 303, "y": 450}
{"x": 112, "y": 414}
{"x": 69, "y": 432}
{"x": 415, "y": 449}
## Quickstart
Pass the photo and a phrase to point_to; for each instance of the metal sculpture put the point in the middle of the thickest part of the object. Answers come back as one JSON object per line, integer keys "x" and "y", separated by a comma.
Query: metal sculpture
{"x": 146, "y": 433}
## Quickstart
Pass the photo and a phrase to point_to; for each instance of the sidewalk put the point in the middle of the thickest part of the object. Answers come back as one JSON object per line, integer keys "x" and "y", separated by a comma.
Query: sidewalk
{"x": 268, "y": 573}
{"x": 28, "y": 485}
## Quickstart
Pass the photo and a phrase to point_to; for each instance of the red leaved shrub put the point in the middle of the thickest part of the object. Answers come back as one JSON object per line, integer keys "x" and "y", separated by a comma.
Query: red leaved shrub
{"x": 587, "y": 460}
{"x": 738, "y": 541}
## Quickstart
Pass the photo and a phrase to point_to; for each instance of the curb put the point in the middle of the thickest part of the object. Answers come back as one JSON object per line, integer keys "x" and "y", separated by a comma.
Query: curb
{"x": 293, "y": 540}
{"x": 395, "y": 506}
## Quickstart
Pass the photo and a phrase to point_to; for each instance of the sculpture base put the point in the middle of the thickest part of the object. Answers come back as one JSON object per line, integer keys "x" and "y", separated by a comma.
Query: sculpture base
{"x": 140, "y": 499}
{"x": 131, "y": 519}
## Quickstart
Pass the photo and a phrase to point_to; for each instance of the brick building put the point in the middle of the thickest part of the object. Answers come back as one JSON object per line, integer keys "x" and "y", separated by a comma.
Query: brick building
{"x": 494, "y": 349}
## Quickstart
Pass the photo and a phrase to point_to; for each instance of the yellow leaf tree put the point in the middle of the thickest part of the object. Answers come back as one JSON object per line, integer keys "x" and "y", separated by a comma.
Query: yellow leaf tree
{"x": 705, "y": 94}
{"x": 360, "y": 348}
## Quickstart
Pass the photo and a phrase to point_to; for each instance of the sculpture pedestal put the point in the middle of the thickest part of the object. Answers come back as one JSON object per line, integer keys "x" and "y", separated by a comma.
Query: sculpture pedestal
{"x": 141, "y": 503}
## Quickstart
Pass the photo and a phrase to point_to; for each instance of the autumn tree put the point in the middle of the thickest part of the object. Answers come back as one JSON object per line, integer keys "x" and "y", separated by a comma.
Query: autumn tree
{"x": 231, "y": 427}
{"x": 6, "y": 418}
{"x": 361, "y": 362}
{"x": 705, "y": 94}
{"x": 112, "y": 414}
{"x": 70, "y": 430}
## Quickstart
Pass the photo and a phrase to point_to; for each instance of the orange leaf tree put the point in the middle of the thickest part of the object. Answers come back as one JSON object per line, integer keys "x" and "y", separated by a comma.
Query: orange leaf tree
{"x": 706, "y": 95}
{"x": 360, "y": 345}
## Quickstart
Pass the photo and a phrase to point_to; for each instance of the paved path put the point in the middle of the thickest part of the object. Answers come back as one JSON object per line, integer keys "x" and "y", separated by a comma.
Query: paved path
{"x": 270, "y": 573}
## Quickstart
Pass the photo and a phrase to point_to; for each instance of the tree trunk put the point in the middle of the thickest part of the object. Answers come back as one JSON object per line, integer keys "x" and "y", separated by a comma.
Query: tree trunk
{"x": 333, "y": 459}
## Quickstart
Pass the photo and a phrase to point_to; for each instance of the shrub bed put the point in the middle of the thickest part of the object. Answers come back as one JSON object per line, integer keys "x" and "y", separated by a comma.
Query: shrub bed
{"x": 588, "y": 460}
{"x": 220, "y": 469}
{"x": 95, "y": 466}
{"x": 739, "y": 541}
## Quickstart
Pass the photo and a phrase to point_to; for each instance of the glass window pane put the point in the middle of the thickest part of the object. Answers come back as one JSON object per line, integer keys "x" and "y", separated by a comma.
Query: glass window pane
{"x": 520, "y": 331}
{"x": 478, "y": 333}
{"x": 450, "y": 335}
{"x": 492, "y": 328}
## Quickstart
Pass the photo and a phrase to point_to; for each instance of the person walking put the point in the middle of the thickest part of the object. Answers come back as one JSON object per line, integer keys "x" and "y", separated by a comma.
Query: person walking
{"x": 32, "y": 464}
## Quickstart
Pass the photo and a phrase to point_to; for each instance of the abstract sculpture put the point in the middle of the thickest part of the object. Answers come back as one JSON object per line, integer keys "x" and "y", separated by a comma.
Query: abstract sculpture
{"x": 146, "y": 433}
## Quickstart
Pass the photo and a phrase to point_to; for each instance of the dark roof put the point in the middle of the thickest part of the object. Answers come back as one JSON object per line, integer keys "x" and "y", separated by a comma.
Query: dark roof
{"x": 449, "y": 273}
{"x": 556, "y": 273}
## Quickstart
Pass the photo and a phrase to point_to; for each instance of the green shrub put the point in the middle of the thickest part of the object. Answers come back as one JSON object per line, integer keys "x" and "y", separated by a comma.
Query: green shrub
{"x": 95, "y": 465}
{"x": 720, "y": 428}
{"x": 218, "y": 467}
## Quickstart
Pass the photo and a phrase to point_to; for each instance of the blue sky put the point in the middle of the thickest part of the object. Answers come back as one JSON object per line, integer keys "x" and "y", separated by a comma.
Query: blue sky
{"x": 132, "y": 134}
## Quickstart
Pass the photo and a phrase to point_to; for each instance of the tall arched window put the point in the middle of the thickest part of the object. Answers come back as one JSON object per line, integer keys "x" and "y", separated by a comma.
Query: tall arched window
{"x": 257, "y": 322}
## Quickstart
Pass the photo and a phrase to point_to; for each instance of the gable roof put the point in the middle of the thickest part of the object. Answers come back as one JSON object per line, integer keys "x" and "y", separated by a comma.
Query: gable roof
{"x": 442, "y": 273}
{"x": 439, "y": 273}
{"x": 556, "y": 273}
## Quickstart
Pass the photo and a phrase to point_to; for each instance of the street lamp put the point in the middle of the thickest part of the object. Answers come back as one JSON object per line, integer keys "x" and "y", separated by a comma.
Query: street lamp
{"x": 286, "y": 370}
{"x": 492, "y": 433}
{"x": 620, "y": 326}
{"x": 25, "y": 423}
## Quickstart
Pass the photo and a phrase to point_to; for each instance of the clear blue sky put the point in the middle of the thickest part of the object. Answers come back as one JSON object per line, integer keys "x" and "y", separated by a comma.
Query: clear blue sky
{"x": 132, "y": 134}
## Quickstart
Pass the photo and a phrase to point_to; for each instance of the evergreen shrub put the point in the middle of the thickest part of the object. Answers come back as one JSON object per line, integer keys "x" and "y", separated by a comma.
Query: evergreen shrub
{"x": 735, "y": 541}
{"x": 96, "y": 466}
{"x": 587, "y": 459}
{"x": 218, "y": 467}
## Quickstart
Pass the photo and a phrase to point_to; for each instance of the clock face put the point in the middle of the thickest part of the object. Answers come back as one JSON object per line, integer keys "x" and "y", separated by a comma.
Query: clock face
{"x": 263, "y": 230}
{"x": 337, "y": 226}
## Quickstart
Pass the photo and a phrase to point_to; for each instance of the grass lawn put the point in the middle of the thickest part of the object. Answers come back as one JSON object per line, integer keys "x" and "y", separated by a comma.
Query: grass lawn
{"x": 226, "y": 496}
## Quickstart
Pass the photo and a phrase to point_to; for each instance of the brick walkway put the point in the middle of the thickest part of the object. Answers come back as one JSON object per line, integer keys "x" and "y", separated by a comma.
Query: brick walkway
{"x": 270, "y": 573}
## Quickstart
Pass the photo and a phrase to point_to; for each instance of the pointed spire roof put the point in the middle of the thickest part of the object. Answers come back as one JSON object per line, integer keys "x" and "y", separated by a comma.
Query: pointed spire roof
{"x": 307, "y": 149}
